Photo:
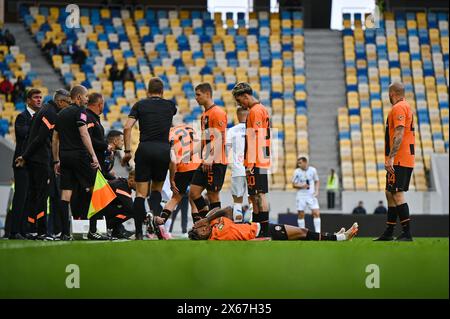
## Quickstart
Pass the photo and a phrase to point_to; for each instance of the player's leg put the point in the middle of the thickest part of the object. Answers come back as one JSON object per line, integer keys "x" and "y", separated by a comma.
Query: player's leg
{"x": 198, "y": 185}
{"x": 168, "y": 209}
{"x": 237, "y": 191}
{"x": 391, "y": 219}
{"x": 403, "y": 214}
{"x": 315, "y": 211}
{"x": 301, "y": 206}
{"x": 403, "y": 177}
{"x": 297, "y": 233}
{"x": 41, "y": 190}
{"x": 215, "y": 180}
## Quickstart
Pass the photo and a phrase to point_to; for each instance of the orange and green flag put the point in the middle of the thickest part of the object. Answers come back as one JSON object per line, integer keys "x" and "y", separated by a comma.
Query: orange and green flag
{"x": 101, "y": 196}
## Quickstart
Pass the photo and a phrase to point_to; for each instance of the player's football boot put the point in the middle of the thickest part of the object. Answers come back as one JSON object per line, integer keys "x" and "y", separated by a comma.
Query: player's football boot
{"x": 386, "y": 236}
{"x": 66, "y": 238}
{"x": 97, "y": 236}
{"x": 404, "y": 236}
{"x": 351, "y": 232}
{"x": 160, "y": 231}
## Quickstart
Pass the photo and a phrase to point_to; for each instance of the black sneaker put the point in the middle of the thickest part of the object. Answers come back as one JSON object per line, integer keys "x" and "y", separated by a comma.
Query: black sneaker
{"x": 404, "y": 236}
{"x": 385, "y": 237}
{"x": 65, "y": 238}
{"x": 17, "y": 236}
{"x": 31, "y": 236}
{"x": 45, "y": 237}
{"x": 121, "y": 234}
{"x": 96, "y": 236}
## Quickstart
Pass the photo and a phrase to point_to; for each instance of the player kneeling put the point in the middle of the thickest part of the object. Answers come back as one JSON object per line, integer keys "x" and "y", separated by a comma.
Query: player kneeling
{"x": 219, "y": 225}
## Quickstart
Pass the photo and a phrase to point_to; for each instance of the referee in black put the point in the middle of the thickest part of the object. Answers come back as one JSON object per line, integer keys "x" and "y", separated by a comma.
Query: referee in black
{"x": 36, "y": 158}
{"x": 74, "y": 156}
{"x": 153, "y": 153}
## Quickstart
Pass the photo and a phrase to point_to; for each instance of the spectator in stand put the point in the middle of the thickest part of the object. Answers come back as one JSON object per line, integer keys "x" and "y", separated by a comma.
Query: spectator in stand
{"x": 126, "y": 74}
{"x": 10, "y": 40}
{"x": 18, "y": 93}
{"x": 381, "y": 209}
{"x": 64, "y": 47}
{"x": 114, "y": 73}
{"x": 78, "y": 55}
{"x": 50, "y": 47}
{"x": 359, "y": 210}
{"x": 6, "y": 88}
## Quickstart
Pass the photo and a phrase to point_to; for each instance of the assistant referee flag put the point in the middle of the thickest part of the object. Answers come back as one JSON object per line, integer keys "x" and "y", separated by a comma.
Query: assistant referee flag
{"x": 101, "y": 196}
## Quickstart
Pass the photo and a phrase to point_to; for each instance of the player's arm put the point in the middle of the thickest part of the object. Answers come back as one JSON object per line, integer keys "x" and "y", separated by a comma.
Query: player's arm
{"x": 397, "y": 140}
{"x": 127, "y": 139}
{"x": 86, "y": 139}
{"x": 316, "y": 183}
{"x": 224, "y": 212}
{"x": 55, "y": 151}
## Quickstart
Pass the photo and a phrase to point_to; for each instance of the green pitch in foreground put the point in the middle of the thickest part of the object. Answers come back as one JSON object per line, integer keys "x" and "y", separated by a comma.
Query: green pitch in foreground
{"x": 189, "y": 269}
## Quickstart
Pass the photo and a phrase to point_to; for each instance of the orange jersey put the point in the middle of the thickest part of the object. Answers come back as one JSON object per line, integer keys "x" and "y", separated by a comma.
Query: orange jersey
{"x": 214, "y": 127}
{"x": 257, "y": 139}
{"x": 401, "y": 115}
{"x": 225, "y": 229}
{"x": 181, "y": 139}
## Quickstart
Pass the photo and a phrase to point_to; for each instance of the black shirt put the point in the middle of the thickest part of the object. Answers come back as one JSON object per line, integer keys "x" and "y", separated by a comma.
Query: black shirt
{"x": 123, "y": 203}
{"x": 67, "y": 124}
{"x": 359, "y": 210}
{"x": 38, "y": 148}
{"x": 97, "y": 133}
{"x": 155, "y": 118}
{"x": 22, "y": 127}
{"x": 380, "y": 210}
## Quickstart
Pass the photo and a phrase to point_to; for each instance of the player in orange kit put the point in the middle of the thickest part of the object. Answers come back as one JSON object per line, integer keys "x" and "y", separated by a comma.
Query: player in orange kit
{"x": 219, "y": 225}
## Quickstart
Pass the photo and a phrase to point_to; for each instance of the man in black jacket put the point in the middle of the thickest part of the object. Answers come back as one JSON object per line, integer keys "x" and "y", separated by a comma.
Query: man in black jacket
{"x": 36, "y": 158}
{"x": 22, "y": 128}
{"x": 121, "y": 208}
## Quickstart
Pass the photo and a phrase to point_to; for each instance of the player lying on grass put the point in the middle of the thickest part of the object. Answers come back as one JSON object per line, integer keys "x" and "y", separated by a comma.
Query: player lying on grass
{"x": 219, "y": 225}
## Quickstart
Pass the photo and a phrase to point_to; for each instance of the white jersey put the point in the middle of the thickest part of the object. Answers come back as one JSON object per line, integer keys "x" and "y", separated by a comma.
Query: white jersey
{"x": 309, "y": 176}
{"x": 236, "y": 143}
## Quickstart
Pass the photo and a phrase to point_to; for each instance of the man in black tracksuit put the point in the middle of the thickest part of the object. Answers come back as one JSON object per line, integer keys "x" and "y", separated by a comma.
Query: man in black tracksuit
{"x": 22, "y": 127}
{"x": 36, "y": 158}
{"x": 121, "y": 208}
{"x": 74, "y": 156}
{"x": 153, "y": 153}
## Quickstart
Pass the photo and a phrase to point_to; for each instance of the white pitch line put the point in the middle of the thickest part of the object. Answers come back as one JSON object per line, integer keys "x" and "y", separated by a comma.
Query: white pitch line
{"x": 52, "y": 244}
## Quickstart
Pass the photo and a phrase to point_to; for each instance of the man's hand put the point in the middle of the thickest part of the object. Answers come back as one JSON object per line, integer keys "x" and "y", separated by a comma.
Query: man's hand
{"x": 111, "y": 148}
{"x": 202, "y": 222}
{"x": 159, "y": 220}
{"x": 94, "y": 163}
{"x": 316, "y": 194}
{"x": 174, "y": 187}
{"x": 20, "y": 162}
{"x": 126, "y": 158}
{"x": 207, "y": 167}
{"x": 389, "y": 165}
{"x": 57, "y": 168}
{"x": 249, "y": 170}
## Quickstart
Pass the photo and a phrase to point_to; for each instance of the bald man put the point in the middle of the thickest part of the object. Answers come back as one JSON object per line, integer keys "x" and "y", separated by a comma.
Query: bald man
{"x": 73, "y": 154}
{"x": 399, "y": 162}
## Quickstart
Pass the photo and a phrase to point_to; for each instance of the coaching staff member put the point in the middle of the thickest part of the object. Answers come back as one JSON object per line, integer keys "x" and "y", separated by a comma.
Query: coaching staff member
{"x": 22, "y": 127}
{"x": 36, "y": 158}
{"x": 153, "y": 153}
{"x": 399, "y": 162}
{"x": 74, "y": 156}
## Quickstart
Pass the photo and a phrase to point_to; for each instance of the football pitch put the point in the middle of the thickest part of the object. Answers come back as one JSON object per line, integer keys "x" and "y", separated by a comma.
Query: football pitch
{"x": 256, "y": 269}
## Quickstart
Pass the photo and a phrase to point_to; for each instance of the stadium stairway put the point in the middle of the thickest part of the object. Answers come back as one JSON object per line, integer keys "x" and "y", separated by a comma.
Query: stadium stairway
{"x": 326, "y": 93}
{"x": 39, "y": 64}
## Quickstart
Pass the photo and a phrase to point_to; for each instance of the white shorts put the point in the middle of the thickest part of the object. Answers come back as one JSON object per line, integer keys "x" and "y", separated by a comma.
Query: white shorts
{"x": 238, "y": 186}
{"x": 307, "y": 202}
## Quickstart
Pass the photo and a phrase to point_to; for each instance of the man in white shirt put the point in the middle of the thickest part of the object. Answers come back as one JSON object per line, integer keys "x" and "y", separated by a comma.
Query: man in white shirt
{"x": 235, "y": 145}
{"x": 306, "y": 180}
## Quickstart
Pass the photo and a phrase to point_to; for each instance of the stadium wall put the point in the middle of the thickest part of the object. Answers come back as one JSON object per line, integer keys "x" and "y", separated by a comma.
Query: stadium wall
{"x": 6, "y": 155}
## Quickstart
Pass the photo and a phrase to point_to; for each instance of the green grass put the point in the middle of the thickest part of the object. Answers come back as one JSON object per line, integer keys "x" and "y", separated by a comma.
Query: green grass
{"x": 188, "y": 269}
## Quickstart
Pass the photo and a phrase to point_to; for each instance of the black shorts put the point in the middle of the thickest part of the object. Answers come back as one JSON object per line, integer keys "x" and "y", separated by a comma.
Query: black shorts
{"x": 276, "y": 232}
{"x": 152, "y": 161}
{"x": 212, "y": 180}
{"x": 399, "y": 182}
{"x": 257, "y": 181}
{"x": 183, "y": 180}
{"x": 76, "y": 170}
